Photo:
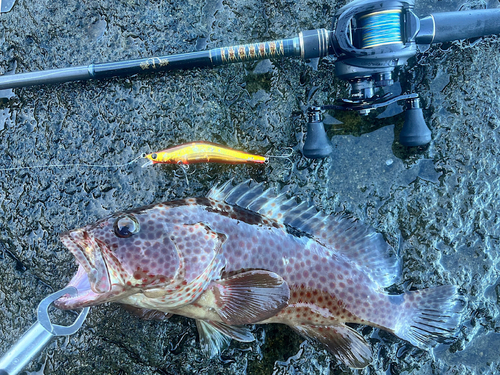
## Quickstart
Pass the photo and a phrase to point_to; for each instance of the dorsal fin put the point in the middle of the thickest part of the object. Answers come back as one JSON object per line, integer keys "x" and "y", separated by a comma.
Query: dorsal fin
{"x": 340, "y": 233}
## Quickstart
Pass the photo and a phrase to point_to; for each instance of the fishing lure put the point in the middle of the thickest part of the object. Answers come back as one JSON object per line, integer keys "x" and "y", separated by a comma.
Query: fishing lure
{"x": 183, "y": 155}
{"x": 202, "y": 152}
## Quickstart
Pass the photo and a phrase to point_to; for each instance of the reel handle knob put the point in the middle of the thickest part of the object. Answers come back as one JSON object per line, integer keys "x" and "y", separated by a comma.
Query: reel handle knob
{"x": 415, "y": 132}
{"x": 316, "y": 144}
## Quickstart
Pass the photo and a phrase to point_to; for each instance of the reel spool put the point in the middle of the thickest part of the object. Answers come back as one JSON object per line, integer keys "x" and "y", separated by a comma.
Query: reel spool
{"x": 379, "y": 29}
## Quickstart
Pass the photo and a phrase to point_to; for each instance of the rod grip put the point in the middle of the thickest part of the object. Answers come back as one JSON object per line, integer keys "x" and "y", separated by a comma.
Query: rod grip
{"x": 459, "y": 25}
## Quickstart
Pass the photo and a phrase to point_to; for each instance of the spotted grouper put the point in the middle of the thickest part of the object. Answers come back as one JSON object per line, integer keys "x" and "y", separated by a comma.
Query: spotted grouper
{"x": 243, "y": 255}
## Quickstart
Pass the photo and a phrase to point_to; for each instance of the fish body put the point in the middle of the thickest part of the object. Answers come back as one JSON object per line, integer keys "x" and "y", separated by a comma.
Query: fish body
{"x": 245, "y": 256}
{"x": 203, "y": 152}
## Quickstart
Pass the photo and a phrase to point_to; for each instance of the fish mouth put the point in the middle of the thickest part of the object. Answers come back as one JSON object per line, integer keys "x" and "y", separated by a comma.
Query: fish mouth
{"x": 85, "y": 297}
{"x": 92, "y": 278}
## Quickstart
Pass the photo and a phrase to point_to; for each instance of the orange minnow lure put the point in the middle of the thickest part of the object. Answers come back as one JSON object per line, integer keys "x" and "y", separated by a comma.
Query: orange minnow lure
{"x": 202, "y": 152}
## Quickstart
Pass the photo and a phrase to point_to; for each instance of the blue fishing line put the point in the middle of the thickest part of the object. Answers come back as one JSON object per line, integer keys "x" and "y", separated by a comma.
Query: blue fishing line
{"x": 380, "y": 28}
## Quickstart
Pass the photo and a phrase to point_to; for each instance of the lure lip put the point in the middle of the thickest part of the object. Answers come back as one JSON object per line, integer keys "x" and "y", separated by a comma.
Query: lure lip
{"x": 148, "y": 163}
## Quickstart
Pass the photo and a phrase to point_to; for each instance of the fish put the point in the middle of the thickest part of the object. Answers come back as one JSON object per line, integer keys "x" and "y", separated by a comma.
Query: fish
{"x": 202, "y": 152}
{"x": 244, "y": 255}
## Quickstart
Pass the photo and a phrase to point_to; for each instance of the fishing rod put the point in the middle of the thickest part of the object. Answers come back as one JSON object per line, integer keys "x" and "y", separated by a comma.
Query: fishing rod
{"x": 369, "y": 40}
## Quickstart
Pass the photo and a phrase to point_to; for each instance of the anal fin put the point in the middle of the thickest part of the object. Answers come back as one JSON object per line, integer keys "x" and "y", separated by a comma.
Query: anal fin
{"x": 250, "y": 297}
{"x": 216, "y": 336}
{"x": 342, "y": 341}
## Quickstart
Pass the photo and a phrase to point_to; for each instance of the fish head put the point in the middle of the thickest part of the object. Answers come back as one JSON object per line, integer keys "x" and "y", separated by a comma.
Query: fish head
{"x": 124, "y": 254}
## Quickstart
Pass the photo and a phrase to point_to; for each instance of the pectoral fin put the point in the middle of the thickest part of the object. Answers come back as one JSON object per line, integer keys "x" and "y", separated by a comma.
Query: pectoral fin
{"x": 250, "y": 297}
{"x": 343, "y": 342}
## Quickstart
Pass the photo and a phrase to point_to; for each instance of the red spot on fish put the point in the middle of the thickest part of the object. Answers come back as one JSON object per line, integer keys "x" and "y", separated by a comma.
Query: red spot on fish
{"x": 320, "y": 299}
{"x": 308, "y": 295}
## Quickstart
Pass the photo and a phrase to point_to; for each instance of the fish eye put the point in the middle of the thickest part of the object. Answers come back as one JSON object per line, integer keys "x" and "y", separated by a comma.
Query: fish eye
{"x": 126, "y": 225}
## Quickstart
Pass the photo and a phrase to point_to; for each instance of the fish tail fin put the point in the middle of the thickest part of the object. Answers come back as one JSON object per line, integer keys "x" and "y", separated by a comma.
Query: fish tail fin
{"x": 429, "y": 316}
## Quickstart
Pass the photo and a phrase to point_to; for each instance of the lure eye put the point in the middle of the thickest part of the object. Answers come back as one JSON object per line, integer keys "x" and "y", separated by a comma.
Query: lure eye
{"x": 154, "y": 156}
{"x": 126, "y": 225}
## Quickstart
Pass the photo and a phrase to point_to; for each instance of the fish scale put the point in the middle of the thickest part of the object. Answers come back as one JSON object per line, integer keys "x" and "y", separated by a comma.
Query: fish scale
{"x": 244, "y": 255}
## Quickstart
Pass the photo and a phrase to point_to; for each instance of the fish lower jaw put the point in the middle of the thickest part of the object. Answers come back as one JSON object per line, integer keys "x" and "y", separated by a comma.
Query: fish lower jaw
{"x": 86, "y": 296}
{"x": 84, "y": 299}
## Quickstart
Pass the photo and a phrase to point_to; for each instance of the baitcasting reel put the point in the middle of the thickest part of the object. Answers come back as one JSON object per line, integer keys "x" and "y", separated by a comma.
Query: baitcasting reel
{"x": 369, "y": 40}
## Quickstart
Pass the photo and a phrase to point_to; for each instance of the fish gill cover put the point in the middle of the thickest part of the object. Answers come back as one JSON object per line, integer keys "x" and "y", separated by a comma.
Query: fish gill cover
{"x": 437, "y": 206}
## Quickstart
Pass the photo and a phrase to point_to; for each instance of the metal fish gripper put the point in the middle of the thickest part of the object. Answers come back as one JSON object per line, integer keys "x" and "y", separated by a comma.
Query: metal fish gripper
{"x": 39, "y": 335}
